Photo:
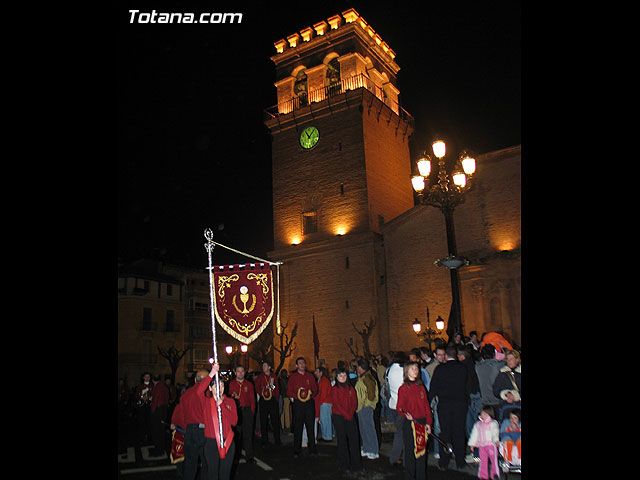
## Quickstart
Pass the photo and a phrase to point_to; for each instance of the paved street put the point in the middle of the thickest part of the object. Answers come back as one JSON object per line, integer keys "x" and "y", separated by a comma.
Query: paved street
{"x": 274, "y": 463}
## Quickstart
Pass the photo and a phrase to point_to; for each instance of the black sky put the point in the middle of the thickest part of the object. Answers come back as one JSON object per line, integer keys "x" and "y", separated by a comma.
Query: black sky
{"x": 192, "y": 148}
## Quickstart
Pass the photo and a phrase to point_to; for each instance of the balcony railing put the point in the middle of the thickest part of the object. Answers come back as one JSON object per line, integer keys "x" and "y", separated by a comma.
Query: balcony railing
{"x": 351, "y": 83}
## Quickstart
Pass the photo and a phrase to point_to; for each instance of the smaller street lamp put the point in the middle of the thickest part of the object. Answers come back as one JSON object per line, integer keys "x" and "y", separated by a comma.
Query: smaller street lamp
{"x": 429, "y": 335}
{"x": 245, "y": 360}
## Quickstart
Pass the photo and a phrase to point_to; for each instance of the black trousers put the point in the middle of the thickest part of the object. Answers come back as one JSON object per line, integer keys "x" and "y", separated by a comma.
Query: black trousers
{"x": 348, "y": 443}
{"x": 143, "y": 415}
{"x": 244, "y": 431}
{"x": 269, "y": 412}
{"x": 304, "y": 414}
{"x": 217, "y": 468}
{"x": 158, "y": 428}
{"x": 452, "y": 417}
{"x": 414, "y": 468}
{"x": 193, "y": 449}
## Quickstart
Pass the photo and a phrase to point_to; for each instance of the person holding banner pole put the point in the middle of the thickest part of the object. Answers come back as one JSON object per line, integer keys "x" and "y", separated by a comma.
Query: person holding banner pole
{"x": 413, "y": 405}
{"x": 218, "y": 455}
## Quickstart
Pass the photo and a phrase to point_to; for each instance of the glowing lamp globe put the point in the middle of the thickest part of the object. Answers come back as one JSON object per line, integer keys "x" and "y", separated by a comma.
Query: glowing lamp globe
{"x": 439, "y": 148}
{"x": 418, "y": 183}
{"x": 468, "y": 164}
{"x": 417, "y": 326}
{"x": 460, "y": 179}
{"x": 424, "y": 166}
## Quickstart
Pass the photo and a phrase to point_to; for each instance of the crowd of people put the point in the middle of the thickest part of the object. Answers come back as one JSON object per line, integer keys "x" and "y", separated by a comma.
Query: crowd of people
{"x": 458, "y": 401}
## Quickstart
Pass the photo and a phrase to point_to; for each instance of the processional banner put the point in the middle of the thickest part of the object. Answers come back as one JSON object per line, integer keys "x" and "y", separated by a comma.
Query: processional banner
{"x": 243, "y": 299}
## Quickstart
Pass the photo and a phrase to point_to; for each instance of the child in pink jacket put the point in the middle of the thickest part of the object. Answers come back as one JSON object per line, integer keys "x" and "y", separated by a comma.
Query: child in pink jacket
{"x": 486, "y": 437}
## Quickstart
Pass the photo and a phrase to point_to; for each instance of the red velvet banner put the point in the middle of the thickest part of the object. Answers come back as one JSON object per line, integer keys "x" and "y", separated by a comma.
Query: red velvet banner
{"x": 419, "y": 438}
{"x": 177, "y": 447}
{"x": 243, "y": 299}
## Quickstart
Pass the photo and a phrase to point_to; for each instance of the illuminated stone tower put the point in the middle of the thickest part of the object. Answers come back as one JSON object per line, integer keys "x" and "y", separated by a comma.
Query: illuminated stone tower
{"x": 341, "y": 169}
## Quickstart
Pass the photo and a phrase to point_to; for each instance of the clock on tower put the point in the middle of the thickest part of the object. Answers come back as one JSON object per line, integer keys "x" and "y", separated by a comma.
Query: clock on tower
{"x": 309, "y": 137}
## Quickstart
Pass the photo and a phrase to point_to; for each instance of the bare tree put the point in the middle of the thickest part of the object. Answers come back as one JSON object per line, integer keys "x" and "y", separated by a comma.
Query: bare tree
{"x": 356, "y": 352}
{"x": 262, "y": 348}
{"x": 286, "y": 345}
{"x": 174, "y": 356}
{"x": 365, "y": 333}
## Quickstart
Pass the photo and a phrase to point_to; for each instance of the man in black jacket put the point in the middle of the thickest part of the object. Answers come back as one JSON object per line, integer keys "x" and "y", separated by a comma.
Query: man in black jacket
{"x": 449, "y": 384}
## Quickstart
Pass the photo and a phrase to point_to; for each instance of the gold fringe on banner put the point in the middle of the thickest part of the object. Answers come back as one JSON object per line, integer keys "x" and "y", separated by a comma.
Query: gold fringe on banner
{"x": 261, "y": 321}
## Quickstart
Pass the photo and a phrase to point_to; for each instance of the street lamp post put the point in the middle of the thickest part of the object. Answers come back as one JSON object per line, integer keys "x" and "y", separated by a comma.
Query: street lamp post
{"x": 446, "y": 193}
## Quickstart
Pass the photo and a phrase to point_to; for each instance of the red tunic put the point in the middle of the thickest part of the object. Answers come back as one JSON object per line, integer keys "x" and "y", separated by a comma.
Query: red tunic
{"x": 412, "y": 399}
{"x": 300, "y": 384}
{"x": 228, "y": 410}
{"x": 261, "y": 384}
{"x": 159, "y": 396}
{"x": 344, "y": 400}
{"x": 191, "y": 406}
{"x": 324, "y": 393}
{"x": 243, "y": 391}
{"x": 229, "y": 419}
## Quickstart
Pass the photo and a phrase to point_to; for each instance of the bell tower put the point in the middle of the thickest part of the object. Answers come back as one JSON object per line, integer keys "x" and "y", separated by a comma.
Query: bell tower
{"x": 341, "y": 168}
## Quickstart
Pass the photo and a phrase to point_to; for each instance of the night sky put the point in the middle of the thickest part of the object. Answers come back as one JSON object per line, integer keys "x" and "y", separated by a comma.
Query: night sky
{"x": 192, "y": 148}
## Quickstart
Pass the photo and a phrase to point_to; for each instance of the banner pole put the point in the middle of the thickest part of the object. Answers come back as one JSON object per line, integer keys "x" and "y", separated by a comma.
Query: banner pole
{"x": 278, "y": 326}
{"x": 209, "y": 246}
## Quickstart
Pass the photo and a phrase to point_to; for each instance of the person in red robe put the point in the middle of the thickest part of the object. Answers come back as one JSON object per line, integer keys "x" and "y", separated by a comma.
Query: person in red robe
{"x": 323, "y": 404}
{"x": 189, "y": 416}
{"x": 218, "y": 453}
{"x": 301, "y": 388}
{"x": 344, "y": 402}
{"x": 243, "y": 392}
{"x": 142, "y": 404}
{"x": 413, "y": 404}
{"x": 159, "y": 409}
{"x": 266, "y": 385}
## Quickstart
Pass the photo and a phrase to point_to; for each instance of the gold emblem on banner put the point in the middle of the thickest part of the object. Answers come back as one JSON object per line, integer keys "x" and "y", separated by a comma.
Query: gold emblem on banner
{"x": 244, "y": 298}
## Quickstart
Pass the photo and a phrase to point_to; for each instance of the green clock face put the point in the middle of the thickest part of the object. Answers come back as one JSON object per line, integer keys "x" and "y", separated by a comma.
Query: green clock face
{"x": 309, "y": 137}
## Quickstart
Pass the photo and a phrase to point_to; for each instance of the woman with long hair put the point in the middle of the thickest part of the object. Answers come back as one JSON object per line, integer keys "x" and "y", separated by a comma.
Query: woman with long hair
{"x": 413, "y": 405}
